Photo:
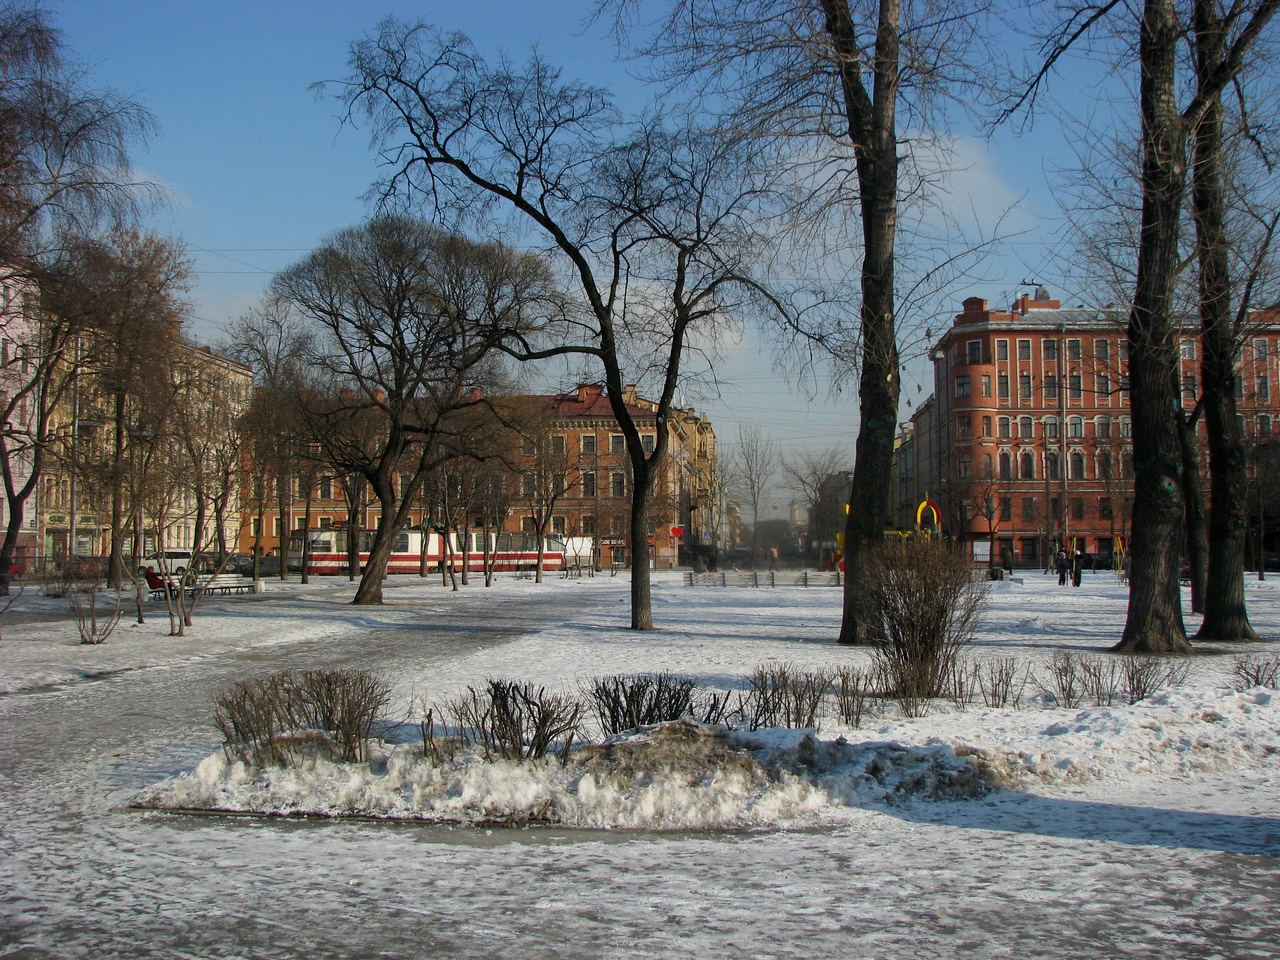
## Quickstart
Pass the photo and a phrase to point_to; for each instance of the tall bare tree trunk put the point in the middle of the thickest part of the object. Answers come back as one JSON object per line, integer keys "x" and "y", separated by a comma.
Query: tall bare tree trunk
{"x": 1154, "y": 623}
{"x": 641, "y": 503}
{"x": 873, "y": 132}
{"x": 1197, "y": 524}
{"x": 1225, "y": 614}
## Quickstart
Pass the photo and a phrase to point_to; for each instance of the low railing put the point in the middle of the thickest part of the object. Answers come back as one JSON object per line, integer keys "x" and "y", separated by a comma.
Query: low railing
{"x": 764, "y": 578}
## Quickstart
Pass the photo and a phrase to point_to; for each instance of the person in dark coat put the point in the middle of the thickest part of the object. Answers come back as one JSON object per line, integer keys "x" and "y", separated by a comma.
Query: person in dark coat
{"x": 1077, "y": 565}
{"x": 1063, "y": 566}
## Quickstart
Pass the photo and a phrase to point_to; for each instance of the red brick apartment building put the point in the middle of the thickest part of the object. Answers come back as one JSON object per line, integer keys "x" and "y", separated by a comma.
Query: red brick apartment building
{"x": 1026, "y": 439}
{"x": 577, "y": 471}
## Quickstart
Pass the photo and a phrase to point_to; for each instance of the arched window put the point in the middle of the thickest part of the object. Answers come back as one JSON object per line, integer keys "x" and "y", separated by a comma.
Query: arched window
{"x": 1024, "y": 427}
{"x": 987, "y": 465}
{"x": 1051, "y": 466}
{"x": 1051, "y": 428}
{"x": 1002, "y": 428}
{"x": 1102, "y": 428}
{"x": 1006, "y": 467}
{"x": 1028, "y": 467}
{"x": 1075, "y": 426}
{"x": 1077, "y": 466}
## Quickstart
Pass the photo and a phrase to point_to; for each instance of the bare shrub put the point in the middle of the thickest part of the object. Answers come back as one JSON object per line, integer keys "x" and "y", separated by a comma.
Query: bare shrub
{"x": 1101, "y": 680}
{"x": 623, "y": 702}
{"x": 930, "y": 604}
{"x": 853, "y": 689}
{"x": 1252, "y": 670}
{"x": 94, "y": 625}
{"x": 963, "y": 682}
{"x": 249, "y": 715}
{"x": 264, "y": 721}
{"x": 999, "y": 683}
{"x": 515, "y": 721}
{"x": 1066, "y": 678}
{"x": 1144, "y": 676}
{"x": 782, "y": 695}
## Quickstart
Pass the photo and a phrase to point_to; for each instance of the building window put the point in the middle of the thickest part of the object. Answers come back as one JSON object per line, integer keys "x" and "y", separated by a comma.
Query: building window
{"x": 986, "y": 426}
{"x": 326, "y": 523}
{"x": 1075, "y": 427}
{"x": 1126, "y": 427}
{"x": 1187, "y": 349}
{"x": 1102, "y": 428}
{"x": 618, "y": 484}
{"x": 1006, "y": 467}
{"x": 1264, "y": 387}
{"x": 617, "y": 444}
{"x": 1028, "y": 467}
{"x": 986, "y": 384}
{"x": 1006, "y": 508}
{"x": 1124, "y": 386}
{"x": 962, "y": 386}
{"x": 1002, "y": 386}
{"x": 1102, "y": 350}
{"x": 279, "y": 527}
{"x": 975, "y": 351}
{"x": 588, "y": 526}
{"x": 1123, "y": 352}
{"x": 962, "y": 427}
{"x": 1264, "y": 425}
{"x": 1102, "y": 386}
{"x": 1024, "y": 386}
{"x": 1051, "y": 428}
{"x": 1075, "y": 387}
{"x": 326, "y": 488}
{"x": 1049, "y": 347}
{"x": 1104, "y": 465}
{"x": 987, "y": 465}
{"x": 1077, "y": 508}
{"x": 1002, "y": 349}
{"x": 1004, "y": 428}
{"x": 1029, "y": 549}
{"x": 1024, "y": 349}
{"x": 1025, "y": 428}
{"x": 1077, "y": 466}
{"x": 1260, "y": 349}
{"x": 588, "y": 484}
{"x": 646, "y": 443}
{"x": 1189, "y": 386}
{"x": 255, "y": 527}
{"x": 1028, "y": 508}
{"x": 1073, "y": 349}
{"x": 1104, "y": 508}
{"x": 557, "y": 445}
{"x": 589, "y": 444}
{"x": 1126, "y": 466}
{"x": 1051, "y": 386}
{"x": 529, "y": 448}
{"x": 558, "y": 526}
{"x": 1051, "y": 466}
{"x": 528, "y": 486}
{"x": 962, "y": 468}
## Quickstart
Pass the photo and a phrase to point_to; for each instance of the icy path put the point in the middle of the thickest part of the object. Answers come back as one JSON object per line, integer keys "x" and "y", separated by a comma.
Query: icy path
{"x": 1151, "y": 869}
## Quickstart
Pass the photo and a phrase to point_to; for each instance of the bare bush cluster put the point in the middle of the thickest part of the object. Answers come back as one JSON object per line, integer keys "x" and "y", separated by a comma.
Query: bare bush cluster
{"x": 512, "y": 720}
{"x": 265, "y": 721}
{"x": 783, "y": 695}
{"x": 626, "y": 702}
{"x": 1253, "y": 670}
{"x": 95, "y": 624}
{"x": 1076, "y": 679}
{"x": 930, "y": 606}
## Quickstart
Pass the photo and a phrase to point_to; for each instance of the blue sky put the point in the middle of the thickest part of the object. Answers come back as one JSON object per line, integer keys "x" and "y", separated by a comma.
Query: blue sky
{"x": 262, "y": 170}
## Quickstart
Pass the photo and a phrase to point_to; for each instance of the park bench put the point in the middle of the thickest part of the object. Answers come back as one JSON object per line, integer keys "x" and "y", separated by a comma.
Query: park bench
{"x": 222, "y": 583}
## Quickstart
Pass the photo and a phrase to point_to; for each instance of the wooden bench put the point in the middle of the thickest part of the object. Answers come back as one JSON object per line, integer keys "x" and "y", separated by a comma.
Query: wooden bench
{"x": 223, "y": 583}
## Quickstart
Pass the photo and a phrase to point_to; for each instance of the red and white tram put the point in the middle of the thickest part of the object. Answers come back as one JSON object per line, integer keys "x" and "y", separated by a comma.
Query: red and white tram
{"x": 507, "y": 551}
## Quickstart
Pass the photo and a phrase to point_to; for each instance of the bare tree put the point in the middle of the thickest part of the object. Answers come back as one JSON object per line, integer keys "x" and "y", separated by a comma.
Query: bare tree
{"x": 755, "y": 461}
{"x": 818, "y": 479}
{"x": 655, "y": 224}
{"x": 407, "y": 320}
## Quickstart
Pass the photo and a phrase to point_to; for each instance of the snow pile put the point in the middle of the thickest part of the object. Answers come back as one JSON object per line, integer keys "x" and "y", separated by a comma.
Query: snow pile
{"x": 1178, "y": 733}
{"x": 675, "y": 776}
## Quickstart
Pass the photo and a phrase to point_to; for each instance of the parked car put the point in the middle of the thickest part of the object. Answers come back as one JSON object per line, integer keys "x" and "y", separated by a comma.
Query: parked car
{"x": 241, "y": 563}
{"x": 1271, "y": 561}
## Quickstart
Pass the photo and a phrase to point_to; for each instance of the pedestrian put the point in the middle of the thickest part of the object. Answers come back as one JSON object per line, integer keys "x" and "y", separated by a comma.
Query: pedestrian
{"x": 1063, "y": 566}
{"x": 1076, "y": 567}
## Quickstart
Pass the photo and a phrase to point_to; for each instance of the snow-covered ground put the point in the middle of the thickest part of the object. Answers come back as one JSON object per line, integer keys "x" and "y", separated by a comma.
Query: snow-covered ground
{"x": 1151, "y": 829}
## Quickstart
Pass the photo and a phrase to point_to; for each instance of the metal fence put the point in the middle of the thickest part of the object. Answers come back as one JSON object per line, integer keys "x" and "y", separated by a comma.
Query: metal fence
{"x": 764, "y": 578}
